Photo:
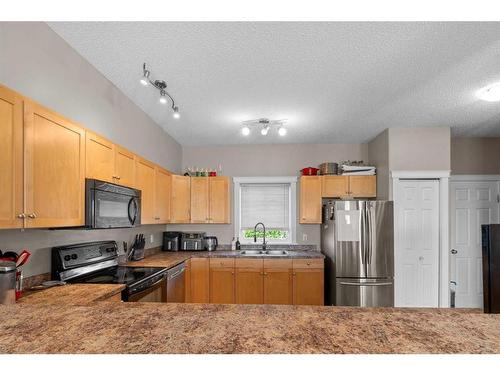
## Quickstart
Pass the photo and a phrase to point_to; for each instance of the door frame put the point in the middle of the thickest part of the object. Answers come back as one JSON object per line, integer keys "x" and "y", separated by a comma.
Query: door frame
{"x": 443, "y": 177}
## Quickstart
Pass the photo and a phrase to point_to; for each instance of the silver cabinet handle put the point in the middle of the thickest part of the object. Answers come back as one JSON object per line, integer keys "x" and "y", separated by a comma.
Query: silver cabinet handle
{"x": 32, "y": 216}
{"x": 364, "y": 284}
{"x": 21, "y": 216}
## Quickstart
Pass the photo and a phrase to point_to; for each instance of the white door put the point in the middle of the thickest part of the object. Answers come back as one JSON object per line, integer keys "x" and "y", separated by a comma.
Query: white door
{"x": 416, "y": 280}
{"x": 472, "y": 203}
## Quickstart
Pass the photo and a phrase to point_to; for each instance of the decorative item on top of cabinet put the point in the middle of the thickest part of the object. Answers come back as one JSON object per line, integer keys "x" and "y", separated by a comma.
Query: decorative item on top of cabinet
{"x": 222, "y": 280}
{"x": 310, "y": 200}
{"x": 54, "y": 169}
{"x": 12, "y": 213}
{"x": 308, "y": 282}
{"x": 181, "y": 199}
{"x": 200, "y": 280}
{"x": 145, "y": 182}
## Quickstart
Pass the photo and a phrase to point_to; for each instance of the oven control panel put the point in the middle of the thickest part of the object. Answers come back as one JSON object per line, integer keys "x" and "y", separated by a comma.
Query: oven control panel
{"x": 67, "y": 257}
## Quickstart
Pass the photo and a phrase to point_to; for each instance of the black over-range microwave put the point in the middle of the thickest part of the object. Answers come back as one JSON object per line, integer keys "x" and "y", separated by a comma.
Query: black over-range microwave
{"x": 111, "y": 206}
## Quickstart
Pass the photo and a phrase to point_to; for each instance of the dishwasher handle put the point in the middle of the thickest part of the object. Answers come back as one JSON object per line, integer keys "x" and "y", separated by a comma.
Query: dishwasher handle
{"x": 174, "y": 272}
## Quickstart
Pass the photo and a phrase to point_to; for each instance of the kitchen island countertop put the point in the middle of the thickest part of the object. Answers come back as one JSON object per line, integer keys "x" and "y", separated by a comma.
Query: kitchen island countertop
{"x": 203, "y": 328}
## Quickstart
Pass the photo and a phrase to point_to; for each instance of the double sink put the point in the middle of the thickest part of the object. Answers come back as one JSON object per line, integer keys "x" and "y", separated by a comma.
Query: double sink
{"x": 264, "y": 252}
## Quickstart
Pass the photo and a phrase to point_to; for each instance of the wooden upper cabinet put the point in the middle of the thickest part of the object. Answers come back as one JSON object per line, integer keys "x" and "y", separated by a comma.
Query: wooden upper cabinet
{"x": 278, "y": 281}
{"x": 124, "y": 167}
{"x": 219, "y": 200}
{"x": 363, "y": 186}
{"x": 145, "y": 182}
{"x": 11, "y": 159}
{"x": 335, "y": 186}
{"x": 181, "y": 199}
{"x": 222, "y": 280}
{"x": 162, "y": 195}
{"x": 100, "y": 158}
{"x": 310, "y": 200}
{"x": 199, "y": 199}
{"x": 200, "y": 280}
{"x": 54, "y": 169}
{"x": 249, "y": 281}
{"x": 308, "y": 282}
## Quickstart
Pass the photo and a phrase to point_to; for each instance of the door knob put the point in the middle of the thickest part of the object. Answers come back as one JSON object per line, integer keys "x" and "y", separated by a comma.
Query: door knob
{"x": 32, "y": 216}
{"x": 453, "y": 251}
{"x": 420, "y": 258}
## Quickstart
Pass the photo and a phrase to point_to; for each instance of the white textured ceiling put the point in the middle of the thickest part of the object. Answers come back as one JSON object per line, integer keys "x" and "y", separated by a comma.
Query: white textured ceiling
{"x": 335, "y": 82}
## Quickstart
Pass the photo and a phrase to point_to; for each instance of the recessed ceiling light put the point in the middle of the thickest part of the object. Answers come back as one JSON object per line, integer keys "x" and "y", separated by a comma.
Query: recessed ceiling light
{"x": 490, "y": 93}
{"x": 245, "y": 130}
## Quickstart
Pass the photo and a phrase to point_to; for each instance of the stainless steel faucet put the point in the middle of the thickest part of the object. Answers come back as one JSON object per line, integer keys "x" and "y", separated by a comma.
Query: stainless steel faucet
{"x": 255, "y": 234}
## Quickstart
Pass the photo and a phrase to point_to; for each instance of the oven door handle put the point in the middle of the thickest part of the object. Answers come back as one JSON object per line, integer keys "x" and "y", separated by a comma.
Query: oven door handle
{"x": 132, "y": 219}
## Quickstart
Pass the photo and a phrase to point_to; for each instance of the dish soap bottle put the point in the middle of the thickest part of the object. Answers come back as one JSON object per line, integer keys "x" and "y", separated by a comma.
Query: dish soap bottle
{"x": 233, "y": 244}
{"x": 238, "y": 245}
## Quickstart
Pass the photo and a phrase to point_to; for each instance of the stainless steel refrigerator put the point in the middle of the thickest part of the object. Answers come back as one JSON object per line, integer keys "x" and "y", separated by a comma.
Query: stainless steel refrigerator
{"x": 357, "y": 238}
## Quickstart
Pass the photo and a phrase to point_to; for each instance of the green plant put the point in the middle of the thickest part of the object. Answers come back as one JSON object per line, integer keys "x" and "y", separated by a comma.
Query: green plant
{"x": 276, "y": 234}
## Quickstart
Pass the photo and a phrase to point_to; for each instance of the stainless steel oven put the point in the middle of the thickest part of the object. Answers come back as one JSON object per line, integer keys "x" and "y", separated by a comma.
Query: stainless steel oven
{"x": 111, "y": 206}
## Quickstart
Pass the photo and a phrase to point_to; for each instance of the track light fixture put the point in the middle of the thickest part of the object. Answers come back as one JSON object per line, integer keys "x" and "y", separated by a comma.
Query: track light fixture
{"x": 264, "y": 124}
{"x": 160, "y": 86}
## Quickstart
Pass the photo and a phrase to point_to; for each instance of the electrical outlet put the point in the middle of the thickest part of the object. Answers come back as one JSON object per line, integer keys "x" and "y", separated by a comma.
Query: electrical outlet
{"x": 304, "y": 237}
{"x": 151, "y": 238}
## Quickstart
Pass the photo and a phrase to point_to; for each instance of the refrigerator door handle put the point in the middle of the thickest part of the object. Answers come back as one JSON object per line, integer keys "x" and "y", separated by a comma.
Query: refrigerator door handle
{"x": 365, "y": 284}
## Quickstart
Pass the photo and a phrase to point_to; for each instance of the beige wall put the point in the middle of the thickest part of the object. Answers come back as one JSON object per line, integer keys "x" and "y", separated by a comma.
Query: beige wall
{"x": 378, "y": 155}
{"x": 37, "y": 63}
{"x": 419, "y": 148}
{"x": 475, "y": 155}
{"x": 266, "y": 160}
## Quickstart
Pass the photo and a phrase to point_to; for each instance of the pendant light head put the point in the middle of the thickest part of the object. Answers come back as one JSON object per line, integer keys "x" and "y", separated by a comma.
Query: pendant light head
{"x": 145, "y": 76}
{"x": 265, "y": 130}
{"x": 176, "y": 114}
{"x": 245, "y": 130}
{"x": 163, "y": 97}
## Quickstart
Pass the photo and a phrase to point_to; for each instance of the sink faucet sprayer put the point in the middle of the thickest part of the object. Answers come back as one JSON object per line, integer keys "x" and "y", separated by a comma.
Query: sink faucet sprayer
{"x": 255, "y": 234}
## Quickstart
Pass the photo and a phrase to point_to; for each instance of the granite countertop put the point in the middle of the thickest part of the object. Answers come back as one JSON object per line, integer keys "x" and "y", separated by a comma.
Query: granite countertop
{"x": 169, "y": 259}
{"x": 74, "y": 294}
{"x": 202, "y": 328}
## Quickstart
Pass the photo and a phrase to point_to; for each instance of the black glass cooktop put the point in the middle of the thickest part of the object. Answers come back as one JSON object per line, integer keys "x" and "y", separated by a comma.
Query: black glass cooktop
{"x": 119, "y": 275}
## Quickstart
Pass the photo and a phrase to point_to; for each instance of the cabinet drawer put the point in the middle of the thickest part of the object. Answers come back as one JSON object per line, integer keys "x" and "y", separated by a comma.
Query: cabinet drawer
{"x": 249, "y": 263}
{"x": 278, "y": 263}
{"x": 308, "y": 263}
{"x": 222, "y": 262}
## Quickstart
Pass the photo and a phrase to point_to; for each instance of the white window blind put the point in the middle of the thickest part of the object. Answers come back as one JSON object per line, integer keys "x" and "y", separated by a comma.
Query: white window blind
{"x": 266, "y": 203}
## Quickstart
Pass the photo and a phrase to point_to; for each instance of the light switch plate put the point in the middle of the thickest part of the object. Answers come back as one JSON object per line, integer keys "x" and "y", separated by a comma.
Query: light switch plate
{"x": 151, "y": 238}
{"x": 304, "y": 236}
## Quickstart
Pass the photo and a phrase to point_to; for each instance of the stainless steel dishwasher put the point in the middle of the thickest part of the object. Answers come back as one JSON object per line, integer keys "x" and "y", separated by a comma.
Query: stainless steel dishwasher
{"x": 176, "y": 283}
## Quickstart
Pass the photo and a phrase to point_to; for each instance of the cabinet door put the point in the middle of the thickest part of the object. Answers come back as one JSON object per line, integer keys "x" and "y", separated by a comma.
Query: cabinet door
{"x": 124, "y": 167}
{"x": 145, "y": 182}
{"x": 11, "y": 159}
{"x": 249, "y": 281}
{"x": 334, "y": 186}
{"x": 200, "y": 280}
{"x": 363, "y": 186}
{"x": 199, "y": 200}
{"x": 278, "y": 281}
{"x": 181, "y": 199}
{"x": 310, "y": 200}
{"x": 162, "y": 196}
{"x": 54, "y": 169}
{"x": 308, "y": 286}
{"x": 100, "y": 158}
{"x": 222, "y": 280}
{"x": 219, "y": 200}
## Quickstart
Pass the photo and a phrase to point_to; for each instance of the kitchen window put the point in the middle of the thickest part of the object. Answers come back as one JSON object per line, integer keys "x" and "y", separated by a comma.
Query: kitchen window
{"x": 270, "y": 200}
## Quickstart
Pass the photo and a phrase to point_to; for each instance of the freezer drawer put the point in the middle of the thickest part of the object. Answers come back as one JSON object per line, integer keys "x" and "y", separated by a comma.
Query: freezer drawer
{"x": 365, "y": 292}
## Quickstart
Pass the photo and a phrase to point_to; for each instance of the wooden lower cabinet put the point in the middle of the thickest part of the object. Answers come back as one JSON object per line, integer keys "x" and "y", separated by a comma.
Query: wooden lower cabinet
{"x": 222, "y": 280}
{"x": 278, "y": 281}
{"x": 308, "y": 282}
{"x": 249, "y": 281}
{"x": 200, "y": 280}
